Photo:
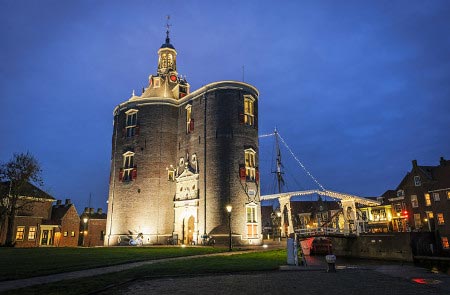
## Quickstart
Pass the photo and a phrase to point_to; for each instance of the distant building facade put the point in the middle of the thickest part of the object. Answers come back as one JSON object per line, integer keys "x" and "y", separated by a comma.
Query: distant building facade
{"x": 421, "y": 202}
{"x": 92, "y": 227}
{"x": 180, "y": 157}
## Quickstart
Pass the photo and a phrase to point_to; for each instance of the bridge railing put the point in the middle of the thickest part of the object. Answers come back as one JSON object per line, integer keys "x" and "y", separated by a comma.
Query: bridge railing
{"x": 318, "y": 231}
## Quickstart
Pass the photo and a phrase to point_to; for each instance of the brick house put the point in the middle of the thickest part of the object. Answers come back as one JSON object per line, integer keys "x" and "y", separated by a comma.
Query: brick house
{"x": 92, "y": 228}
{"x": 34, "y": 207}
{"x": 66, "y": 221}
{"x": 421, "y": 202}
{"x": 38, "y": 223}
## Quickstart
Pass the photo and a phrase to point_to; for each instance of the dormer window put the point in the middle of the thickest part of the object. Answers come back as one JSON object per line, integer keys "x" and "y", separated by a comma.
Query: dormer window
{"x": 400, "y": 193}
{"x": 156, "y": 82}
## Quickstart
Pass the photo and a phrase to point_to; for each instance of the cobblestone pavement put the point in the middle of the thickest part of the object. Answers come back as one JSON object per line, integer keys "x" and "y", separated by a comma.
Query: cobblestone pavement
{"x": 378, "y": 280}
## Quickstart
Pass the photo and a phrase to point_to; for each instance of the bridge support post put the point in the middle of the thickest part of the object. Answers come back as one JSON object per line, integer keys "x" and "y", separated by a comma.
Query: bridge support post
{"x": 349, "y": 212}
{"x": 285, "y": 202}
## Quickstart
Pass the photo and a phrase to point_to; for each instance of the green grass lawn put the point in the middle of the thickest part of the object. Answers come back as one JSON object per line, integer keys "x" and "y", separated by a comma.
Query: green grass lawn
{"x": 247, "y": 262}
{"x": 17, "y": 263}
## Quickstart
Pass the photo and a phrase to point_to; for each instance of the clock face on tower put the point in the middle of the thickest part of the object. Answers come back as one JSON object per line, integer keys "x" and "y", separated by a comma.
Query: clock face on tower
{"x": 173, "y": 78}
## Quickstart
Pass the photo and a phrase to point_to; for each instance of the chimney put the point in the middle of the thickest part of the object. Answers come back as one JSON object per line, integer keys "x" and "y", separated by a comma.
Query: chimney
{"x": 68, "y": 201}
{"x": 86, "y": 210}
{"x": 442, "y": 161}
{"x": 100, "y": 211}
{"x": 414, "y": 163}
{"x": 91, "y": 210}
{"x": 58, "y": 202}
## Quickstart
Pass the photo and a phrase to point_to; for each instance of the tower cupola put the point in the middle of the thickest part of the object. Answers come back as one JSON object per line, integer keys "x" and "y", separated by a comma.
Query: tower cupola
{"x": 167, "y": 61}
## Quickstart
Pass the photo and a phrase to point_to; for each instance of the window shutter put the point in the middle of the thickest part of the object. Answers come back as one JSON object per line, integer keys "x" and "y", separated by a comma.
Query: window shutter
{"x": 121, "y": 174}
{"x": 191, "y": 125}
{"x": 134, "y": 173}
{"x": 257, "y": 174}
{"x": 242, "y": 175}
{"x": 255, "y": 114}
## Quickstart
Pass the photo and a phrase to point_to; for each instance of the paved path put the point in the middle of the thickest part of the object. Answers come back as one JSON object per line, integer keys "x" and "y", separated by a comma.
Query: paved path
{"x": 346, "y": 281}
{"x": 22, "y": 283}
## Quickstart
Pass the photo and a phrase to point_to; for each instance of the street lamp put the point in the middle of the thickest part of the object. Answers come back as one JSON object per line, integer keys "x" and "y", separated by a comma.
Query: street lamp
{"x": 85, "y": 220}
{"x": 229, "y": 208}
{"x": 279, "y": 223}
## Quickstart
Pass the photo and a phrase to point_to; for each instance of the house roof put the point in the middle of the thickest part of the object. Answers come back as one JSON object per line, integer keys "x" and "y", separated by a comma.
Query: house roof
{"x": 58, "y": 212}
{"x": 29, "y": 190}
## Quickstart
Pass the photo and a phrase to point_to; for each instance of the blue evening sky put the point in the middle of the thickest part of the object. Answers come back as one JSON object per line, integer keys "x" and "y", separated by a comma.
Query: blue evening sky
{"x": 358, "y": 89}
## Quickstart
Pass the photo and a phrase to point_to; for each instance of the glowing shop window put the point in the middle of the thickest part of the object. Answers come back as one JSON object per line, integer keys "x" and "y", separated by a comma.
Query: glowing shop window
{"x": 20, "y": 233}
{"x": 440, "y": 217}
{"x": 250, "y": 164}
{"x": 32, "y": 233}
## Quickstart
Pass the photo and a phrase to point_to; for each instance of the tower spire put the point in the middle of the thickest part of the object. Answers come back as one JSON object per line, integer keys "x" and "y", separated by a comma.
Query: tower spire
{"x": 168, "y": 29}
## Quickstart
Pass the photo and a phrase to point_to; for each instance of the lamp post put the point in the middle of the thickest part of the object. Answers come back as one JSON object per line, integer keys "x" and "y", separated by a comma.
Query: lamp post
{"x": 279, "y": 223}
{"x": 85, "y": 220}
{"x": 229, "y": 208}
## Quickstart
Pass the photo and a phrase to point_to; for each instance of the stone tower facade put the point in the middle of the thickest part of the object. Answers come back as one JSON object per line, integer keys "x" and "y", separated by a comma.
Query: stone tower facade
{"x": 180, "y": 157}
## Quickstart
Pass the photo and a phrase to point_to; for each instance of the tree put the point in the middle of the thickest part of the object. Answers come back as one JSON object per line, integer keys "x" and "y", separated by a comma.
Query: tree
{"x": 19, "y": 171}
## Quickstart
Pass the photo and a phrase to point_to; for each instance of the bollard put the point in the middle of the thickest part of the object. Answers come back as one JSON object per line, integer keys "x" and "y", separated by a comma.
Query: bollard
{"x": 331, "y": 263}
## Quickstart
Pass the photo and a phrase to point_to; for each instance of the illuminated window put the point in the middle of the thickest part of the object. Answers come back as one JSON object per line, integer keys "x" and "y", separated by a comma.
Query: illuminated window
{"x": 32, "y": 233}
{"x": 131, "y": 123}
{"x": 427, "y": 200}
{"x": 250, "y": 164}
{"x": 66, "y": 234}
{"x": 189, "y": 120}
{"x": 417, "y": 181}
{"x": 72, "y": 234}
{"x": 429, "y": 214}
{"x": 249, "y": 112}
{"x": 164, "y": 60}
{"x": 436, "y": 197}
{"x": 445, "y": 244}
{"x": 252, "y": 225}
{"x": 448, "y": 195}
{"x": 156, "y": 82}
{"x": 171, "y": 174}
{"x": 169, "y": 60}
{"x": 440, "y": 217}
{"x": 417, "y": 220}
{"x": 414, "y": 202}
{"x": 20, "y": 233}
{"x": 128, "y": 171}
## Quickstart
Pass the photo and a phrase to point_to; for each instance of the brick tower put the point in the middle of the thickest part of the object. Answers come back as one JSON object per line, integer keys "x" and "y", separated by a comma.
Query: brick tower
{"x": 180, "y": 157}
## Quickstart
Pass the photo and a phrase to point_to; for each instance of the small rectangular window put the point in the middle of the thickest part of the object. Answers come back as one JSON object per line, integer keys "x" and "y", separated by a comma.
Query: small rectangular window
{"x": 436, "y": 197}
{"x": 427, "y": 199}
{"x": 128, "y": 171}
{"x": 417, "y": 221}
{"x": 414, "y": 202}
{"x": 189, "y": 119}
{"x": 20, "y": 233}
{"x": 249, "y": 110}
{"x": 440, "y": 217}
{"x": 448, "y": 195}
{"x": 32, "y": 233}
{"x": 131, "y": 127}
{"x": 445, "y": 244}
{"x": 252, "y": 225}
{"x": 417, "y": 181}
{"x": 156, "y": 82}
{"x": 66, "y": 234}
{"x": 72, "y": 234}
{"x": 250, "y": 164}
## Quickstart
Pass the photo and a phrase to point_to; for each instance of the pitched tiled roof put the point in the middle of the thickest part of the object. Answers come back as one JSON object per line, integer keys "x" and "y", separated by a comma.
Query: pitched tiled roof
{"x": 29, "y": 190}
